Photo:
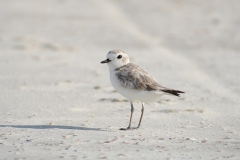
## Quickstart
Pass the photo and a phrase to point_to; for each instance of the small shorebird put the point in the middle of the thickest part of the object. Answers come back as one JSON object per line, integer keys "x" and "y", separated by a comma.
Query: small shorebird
{"x": 133, "y": 82}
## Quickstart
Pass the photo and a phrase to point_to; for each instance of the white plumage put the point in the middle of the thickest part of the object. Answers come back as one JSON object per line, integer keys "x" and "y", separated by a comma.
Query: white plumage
{"x": 133, "y": 82}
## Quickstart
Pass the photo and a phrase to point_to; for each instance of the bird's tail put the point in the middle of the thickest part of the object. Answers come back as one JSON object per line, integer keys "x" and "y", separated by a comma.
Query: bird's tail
{"x": 173, "y": 92}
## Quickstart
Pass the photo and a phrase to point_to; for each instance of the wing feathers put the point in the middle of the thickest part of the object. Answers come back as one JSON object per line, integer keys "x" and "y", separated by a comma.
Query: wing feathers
{"x": 134, "y": 77}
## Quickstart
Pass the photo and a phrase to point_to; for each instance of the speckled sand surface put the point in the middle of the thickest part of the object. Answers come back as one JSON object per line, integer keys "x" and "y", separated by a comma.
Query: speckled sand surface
{"x": 56, "y": 99}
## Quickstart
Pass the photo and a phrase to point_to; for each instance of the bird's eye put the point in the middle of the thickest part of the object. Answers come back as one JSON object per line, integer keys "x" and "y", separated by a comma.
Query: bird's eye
{"x": 119, "y": 57}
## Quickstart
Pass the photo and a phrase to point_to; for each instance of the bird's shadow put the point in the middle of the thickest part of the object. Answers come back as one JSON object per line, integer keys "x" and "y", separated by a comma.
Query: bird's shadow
{"x": 53, "y": 127}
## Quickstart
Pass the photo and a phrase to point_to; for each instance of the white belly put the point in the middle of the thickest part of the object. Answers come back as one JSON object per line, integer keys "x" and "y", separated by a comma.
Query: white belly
{"x": 132, "y": 94}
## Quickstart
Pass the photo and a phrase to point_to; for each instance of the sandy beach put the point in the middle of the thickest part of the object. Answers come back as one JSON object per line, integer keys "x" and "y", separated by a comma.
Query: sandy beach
{"x": 56, "y": 99}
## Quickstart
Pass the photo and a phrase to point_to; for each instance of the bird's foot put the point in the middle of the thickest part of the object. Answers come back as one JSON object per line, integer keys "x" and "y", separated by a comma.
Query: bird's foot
{"x": 128, "y": 128}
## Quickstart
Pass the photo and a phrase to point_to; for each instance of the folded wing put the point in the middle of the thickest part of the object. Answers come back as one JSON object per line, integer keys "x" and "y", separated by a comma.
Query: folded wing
{"x": 134, "y": 77}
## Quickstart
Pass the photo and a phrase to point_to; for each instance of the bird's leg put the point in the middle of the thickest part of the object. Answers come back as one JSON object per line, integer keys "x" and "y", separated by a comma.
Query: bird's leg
{"x": 141, "y": 115}
{"x": 129, "y": 126}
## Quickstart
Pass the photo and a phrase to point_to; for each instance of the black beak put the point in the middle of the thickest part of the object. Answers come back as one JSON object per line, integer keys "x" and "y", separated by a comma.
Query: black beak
{"x": 106, "y": 61}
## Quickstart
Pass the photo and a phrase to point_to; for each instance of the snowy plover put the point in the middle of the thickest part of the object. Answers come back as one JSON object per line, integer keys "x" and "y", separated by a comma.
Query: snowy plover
{"x": 133, "y": 82}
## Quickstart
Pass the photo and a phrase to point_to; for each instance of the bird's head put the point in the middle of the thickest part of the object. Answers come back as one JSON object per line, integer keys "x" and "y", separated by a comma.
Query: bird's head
{"x": 116, "y": 58}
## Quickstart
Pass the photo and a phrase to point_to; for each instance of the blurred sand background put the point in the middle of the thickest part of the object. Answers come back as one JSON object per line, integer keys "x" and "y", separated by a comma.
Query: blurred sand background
{"x": 56, "y": 99}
